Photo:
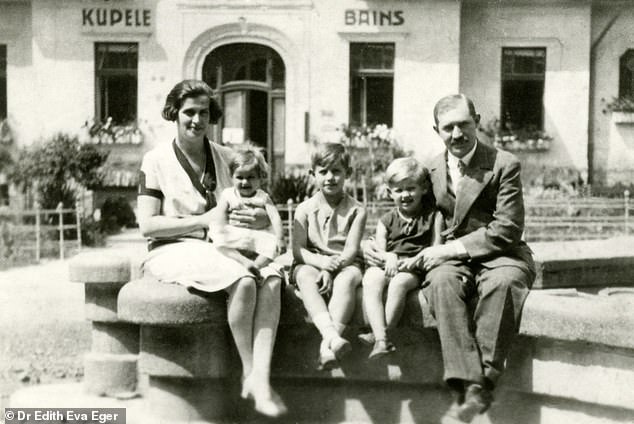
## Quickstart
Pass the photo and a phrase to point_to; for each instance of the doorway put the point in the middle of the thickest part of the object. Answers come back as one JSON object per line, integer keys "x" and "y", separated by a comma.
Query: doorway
{"x": 249, "y": 82}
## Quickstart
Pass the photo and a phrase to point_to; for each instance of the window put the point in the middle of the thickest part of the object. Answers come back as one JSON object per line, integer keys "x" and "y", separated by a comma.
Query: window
{"x": 626, "y": 74}
{"x": 3, "y": 81}
{"x": 523, "y": 75}
{"x": 116, "y": 81}
{"x": 371, "y": 83}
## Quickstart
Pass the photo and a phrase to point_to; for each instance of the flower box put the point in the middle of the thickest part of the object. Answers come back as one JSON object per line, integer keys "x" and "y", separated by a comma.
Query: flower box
{"x": 619, "y": 117}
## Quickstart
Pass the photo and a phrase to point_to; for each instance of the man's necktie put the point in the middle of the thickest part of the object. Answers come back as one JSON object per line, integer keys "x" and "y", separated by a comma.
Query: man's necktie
{"x": 461, "y": 167}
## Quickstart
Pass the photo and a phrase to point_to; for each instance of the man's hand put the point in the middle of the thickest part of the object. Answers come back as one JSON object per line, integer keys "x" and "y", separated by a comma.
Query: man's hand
{"x": 371, "y": 255}
{"x": 435, "y": 255}
{"x": 324, "y": 282}
{"x": 408, "y": 264}
{"x": 391, "y": 265}
{"x": 252, "y": 218}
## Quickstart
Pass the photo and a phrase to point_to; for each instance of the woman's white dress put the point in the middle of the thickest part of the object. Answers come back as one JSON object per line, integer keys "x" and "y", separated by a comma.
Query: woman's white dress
{"x": 189, "y": 259}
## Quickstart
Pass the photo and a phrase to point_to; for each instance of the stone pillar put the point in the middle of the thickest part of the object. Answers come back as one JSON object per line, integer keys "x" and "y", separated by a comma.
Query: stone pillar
{"x": 110, "y": 368}
{"x": 185, "y": 349}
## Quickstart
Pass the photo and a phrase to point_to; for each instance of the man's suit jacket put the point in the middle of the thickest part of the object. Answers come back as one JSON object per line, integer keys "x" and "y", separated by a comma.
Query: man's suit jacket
{"x": 487, "y": 212}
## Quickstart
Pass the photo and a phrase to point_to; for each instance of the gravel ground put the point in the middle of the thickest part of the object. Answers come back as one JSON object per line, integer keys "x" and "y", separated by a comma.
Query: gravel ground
{"x": 43, "y": 332}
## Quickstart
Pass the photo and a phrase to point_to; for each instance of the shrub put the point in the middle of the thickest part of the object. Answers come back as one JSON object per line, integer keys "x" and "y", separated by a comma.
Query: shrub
{"x": 92, "y": 233}
{"x": 116, "y": 213}
{"x": 295, "y": 186}
{"x": 56, "y": 169}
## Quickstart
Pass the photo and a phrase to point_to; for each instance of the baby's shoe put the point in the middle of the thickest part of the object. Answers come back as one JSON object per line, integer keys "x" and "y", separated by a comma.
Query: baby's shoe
{"x": 381, "y": 348}
{"x": 327, "y": 358}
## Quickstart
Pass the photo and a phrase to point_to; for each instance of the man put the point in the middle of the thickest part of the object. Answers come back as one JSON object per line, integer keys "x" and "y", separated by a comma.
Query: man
{"x": 478, "y": 280}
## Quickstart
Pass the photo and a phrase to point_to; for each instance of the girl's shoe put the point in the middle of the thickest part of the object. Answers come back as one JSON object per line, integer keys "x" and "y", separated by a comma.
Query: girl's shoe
{"x": 381, "y": 348}
{"x": 367, "y": 338}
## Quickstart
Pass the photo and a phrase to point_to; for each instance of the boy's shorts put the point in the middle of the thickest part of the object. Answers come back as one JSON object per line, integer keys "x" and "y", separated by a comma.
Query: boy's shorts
{"x": 291, "y": 275}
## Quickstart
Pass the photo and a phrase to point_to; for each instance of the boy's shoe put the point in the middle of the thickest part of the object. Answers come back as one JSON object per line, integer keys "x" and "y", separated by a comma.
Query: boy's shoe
{"x": 367, "y": 338}
{"x": 332, "y": 350}
{"x": 381, "y": 348}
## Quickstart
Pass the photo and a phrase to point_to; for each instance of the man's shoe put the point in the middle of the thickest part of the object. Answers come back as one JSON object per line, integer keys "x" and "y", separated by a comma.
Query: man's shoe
{"x": 477, "y": 400}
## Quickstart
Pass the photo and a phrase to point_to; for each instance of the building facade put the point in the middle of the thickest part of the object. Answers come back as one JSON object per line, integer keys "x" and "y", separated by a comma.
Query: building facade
{"x": 290, "y": 71}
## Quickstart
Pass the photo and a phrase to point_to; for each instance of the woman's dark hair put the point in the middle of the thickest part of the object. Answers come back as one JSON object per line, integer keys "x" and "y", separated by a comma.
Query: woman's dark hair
{"x": 190, "y": 88}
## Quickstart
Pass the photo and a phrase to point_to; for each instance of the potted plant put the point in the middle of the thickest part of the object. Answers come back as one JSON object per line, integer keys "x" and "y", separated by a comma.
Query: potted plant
{"x": 110, "y": 133}
{"x": 373, "y": 148}
{"x": 622, "y": 109}
{"x": 6, "y": 135}
{"x": 508, "y": 137}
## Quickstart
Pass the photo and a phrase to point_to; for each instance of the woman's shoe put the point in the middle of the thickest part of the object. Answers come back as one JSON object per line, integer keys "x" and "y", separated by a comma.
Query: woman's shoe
{"x": 267, "y": 401}
{"x": 271, "y": 406}
{"x": 381, "y": 348}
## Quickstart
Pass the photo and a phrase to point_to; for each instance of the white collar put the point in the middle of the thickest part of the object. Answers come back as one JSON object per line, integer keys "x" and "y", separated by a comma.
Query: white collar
{"x": 452, "y": 161}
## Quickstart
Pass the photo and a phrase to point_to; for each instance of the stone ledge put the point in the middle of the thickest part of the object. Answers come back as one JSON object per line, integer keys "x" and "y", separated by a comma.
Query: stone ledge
{"x": 151, "y": 302}
{"x": 578, "y": 317}
{"x": 584, "y": 263}
{"x": 93, "y": 268}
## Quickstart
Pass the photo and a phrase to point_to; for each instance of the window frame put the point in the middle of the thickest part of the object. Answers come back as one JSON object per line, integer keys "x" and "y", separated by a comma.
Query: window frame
{"x": 362, "y": 74}
{"x": 537, "y": 75}
{"x": 102, "y": 73}
{"x": 626, "y": 85}
{"x": 4, "y": 100}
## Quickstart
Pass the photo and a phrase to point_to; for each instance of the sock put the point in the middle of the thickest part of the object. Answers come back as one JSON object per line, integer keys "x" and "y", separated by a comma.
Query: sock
{"x": 339, "y": 327}
{"x": 324, "y": 324}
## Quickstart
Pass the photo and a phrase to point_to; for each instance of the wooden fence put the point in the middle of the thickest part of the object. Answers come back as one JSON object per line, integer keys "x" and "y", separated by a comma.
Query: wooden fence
{"x": 546, "y": 220}
{"x": 29, "y": 231}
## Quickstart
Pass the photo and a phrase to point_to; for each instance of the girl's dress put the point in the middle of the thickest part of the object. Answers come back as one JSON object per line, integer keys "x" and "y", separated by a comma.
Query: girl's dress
{"x": 188, "y": 259}
{"x": 408, "y": 236}
{"x": 261, "y": 242}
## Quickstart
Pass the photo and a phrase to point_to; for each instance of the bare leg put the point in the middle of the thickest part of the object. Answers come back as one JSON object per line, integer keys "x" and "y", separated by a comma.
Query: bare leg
{"x": 306, "y": 277}
{"x": 342, "y": 301}
{"x": 240, "y": 311}
{"x": 374, "y": 282}
{"x": 397, "y": 291}
{"x": 267, "y": 315}
{"x": 333, "y": 345}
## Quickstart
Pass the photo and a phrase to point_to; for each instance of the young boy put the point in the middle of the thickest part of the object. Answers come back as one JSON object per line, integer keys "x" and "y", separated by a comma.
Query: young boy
{"x": 327, "y": 231}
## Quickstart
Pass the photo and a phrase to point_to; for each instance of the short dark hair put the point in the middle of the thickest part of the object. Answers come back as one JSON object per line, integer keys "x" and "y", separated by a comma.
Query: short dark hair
{"x": 448, "y": 102}
{"x": 186, "y": 89}
{"x": 326, "y": 154}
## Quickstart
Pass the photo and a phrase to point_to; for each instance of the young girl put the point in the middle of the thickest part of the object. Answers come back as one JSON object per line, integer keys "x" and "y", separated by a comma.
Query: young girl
{"x": 254, "y": 249}
{"x": 400, "y": 234}
{"x": 327, "y": 232}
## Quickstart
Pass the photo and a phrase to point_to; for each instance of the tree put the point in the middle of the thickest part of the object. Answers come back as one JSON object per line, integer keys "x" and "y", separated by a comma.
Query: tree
{"x": 57, "y": 168}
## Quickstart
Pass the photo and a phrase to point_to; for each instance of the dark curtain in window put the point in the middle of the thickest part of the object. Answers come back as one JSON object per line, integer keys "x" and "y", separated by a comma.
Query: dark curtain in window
{"x": 116, "y": 81}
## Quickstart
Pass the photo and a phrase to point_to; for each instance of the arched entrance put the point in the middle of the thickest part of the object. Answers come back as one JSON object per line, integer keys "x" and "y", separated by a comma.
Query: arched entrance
{"x": 249, "y": 80}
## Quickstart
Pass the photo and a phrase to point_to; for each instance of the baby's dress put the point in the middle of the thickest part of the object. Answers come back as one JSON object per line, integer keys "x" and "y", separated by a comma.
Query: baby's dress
{"x": 262, "y": 242}
{"x": 190, "y": 259}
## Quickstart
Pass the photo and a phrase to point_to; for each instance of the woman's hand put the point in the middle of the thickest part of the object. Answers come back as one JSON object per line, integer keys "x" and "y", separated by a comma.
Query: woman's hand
{"x": 252, "y": 218}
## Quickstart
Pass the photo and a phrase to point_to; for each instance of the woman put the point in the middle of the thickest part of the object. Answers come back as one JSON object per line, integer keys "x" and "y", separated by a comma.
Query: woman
{"x": 179, "y": 183}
